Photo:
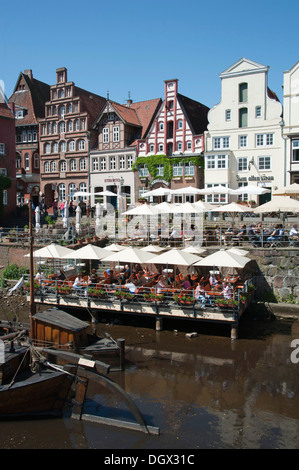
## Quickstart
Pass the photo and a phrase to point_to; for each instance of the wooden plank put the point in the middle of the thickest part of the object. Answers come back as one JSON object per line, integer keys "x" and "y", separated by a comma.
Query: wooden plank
{"x": 119, "y": 423}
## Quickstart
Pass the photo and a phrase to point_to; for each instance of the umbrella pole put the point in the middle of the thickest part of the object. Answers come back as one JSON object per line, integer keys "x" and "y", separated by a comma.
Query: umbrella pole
{"x": 31, "y": 241}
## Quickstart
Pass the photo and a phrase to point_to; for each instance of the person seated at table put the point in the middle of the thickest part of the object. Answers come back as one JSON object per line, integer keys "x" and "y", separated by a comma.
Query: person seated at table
{"x": 201, "y": 295}
{"x": 186, "y": 284}
{"x": 213, "y": 281}
{"x": 275, "y": 234}
{"x": 161, "y": 284}
{"x": 146, "y": 271}
{"x": 226, "y": 290}
{"x": 294, "y": 234}
{"x": 77, "y": 286}
{"x": 39, "y": 275}
{"x": 228, "y": 234}
{"x": 242, "y": 232}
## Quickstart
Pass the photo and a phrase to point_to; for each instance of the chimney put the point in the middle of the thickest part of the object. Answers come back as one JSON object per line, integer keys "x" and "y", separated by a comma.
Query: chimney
{"x": 29, "y": 73}
{"x": 129, "y": 101}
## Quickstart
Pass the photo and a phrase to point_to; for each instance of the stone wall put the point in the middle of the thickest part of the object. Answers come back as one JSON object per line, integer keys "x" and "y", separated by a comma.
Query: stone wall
{"x": 276, "y": 272}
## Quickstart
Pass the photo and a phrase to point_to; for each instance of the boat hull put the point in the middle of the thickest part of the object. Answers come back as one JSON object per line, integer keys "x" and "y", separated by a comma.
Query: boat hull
{"x": 41, "y": 394}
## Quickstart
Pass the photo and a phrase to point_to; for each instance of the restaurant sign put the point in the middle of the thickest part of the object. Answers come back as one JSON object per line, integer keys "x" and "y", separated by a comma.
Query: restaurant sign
{"x": 255, "y": 178}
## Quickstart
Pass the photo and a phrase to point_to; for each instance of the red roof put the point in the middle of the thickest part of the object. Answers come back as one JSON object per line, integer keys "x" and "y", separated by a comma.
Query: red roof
{"x": 5, "y": 111}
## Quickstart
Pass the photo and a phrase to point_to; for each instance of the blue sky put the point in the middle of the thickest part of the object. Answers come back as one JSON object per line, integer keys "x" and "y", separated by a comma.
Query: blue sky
{"x": 134, "y": 45}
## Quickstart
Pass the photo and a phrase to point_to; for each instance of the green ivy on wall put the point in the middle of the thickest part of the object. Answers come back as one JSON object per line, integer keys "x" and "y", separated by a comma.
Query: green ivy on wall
{"x": 154, "y": 160}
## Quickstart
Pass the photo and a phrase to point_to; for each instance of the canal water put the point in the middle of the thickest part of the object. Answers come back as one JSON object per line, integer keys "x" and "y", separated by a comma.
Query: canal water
{"x": 203, "y": 391}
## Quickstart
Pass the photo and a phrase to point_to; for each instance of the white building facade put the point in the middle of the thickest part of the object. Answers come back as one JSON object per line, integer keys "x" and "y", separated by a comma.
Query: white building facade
{"x": 244, "y": 143}
{"x": 291, "y": 124}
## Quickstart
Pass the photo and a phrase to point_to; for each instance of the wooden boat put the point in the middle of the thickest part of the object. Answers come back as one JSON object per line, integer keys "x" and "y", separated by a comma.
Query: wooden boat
{"x": 27, "y": 392}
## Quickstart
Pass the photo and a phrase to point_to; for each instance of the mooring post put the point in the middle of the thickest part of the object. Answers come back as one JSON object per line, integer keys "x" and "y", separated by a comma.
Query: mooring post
{"x": 159, "y": 323}
{"x": 234, "y": 331}
{"x": 81, "y": 389}
{"x": 121, "y": 344}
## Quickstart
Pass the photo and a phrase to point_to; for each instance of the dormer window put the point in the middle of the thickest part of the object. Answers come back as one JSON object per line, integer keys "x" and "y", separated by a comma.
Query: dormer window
{"x": 110, "y": 116}
{"x": 19, "y": 114}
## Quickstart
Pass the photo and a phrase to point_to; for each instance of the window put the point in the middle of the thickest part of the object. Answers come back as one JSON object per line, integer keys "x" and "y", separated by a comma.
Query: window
{"x": 103, "y": 163}
{"x": 264, "y": 139}
{"x": 54, "y": 129}
{"x": 258, "y": 111}
{"x": 112, "y": 163}
{"x": 243, "y": 92}
{"x": 27, "y": 163}
{"x": 62, "y": 166}
{"x": 179, "y": 146}
{"x": 82, "y": 164}
{"x": 73, "y": 165}
{"x": 5, "y": 200}
{"x": 170, "y": 104}
{"x": 95, "y": 164}
{"x": 160, "y": 170}
{"x": 217, "y": 198}
{"x": 2, "y": 149}
{"x": 19, "y": 114}
{"x": 71, "y": 145}
{"x": 105, "y": 135}
{"x": 36, "y": 161}
{"x": 69, "y": 109}
{"x": 70, "y": 126}
{"x": 47, "y": 167}
{"x": 227, "y": 114}
{"x": 242, "y": 141}
{"x": 143, "y": 171}
{"x": 53, "y": 167}
{"x": 243, "y": 117}
{"x": 77, "y": 125}
{"x": 72, "y": 190}
{"x": 62, "y": 111}
{"x": 189, "y": 169}
{"x": 110, "y": 116}
{"x": 177, "y": 170}
{"x": 295, "y": 151}
{"x": 189, "y": 145}
{"x": 129, "y": 161}
{"x": 221, "y": 143}
{"x": 264, "y": 163}
{"x": 152, "y": 148}
{"x": 47, "y": 148}
{"x": 83, "y": 187}
{"x": 161, "y": 126}
{"x": 116, "y": 134}
{"x": 18, "y": 161}
{"x": 81, "y": 144}
{"x": 61, "y": 192}
{"x": 242, "y": 163}
{"x": 24, "y": 136}
{"x": 29, "y": 135}
{"x": 217, "y": 162}
{"x": 180, "y": 124}
{"x": 242, "y": 197}
{"x": 122, "y": 162}
{"x": 55, "y": 147}
{"x": 62, "y": 127}
{"x": 83, "y": 124}
{"x": 62, "y": 146}
{"x": 161, "y": 147}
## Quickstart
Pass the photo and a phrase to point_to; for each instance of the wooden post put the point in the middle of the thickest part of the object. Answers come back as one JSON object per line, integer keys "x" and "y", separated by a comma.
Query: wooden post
{"x": 234, "y": 331}
{"x": 121, "y": 344}
{"x": 81, "y": 389}
{"x": 159, "y": 323}
{"x": 31, "y": 279}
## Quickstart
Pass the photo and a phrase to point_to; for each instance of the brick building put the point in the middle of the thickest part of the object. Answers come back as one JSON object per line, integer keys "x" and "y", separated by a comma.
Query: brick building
{"x": 66, "y": 138}
{"x": 28, "y": 101}
{"x": 171, "y": 153}
{"x": 7, "y": 159}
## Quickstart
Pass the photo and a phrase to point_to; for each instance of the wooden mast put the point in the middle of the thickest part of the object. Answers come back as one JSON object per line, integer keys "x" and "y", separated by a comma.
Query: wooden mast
{"x": 31, "y": 278}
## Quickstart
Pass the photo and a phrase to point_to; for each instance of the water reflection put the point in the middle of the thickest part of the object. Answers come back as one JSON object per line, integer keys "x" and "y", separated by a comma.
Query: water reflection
{"x": 204, "y": 392}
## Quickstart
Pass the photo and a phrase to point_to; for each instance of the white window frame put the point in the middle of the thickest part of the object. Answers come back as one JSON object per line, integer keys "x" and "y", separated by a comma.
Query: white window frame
{"x": 62, "y": 166}
{"x": 295, "y": 151}
{"x": 73, "y": 164}
{"x": 27, "y": 162}
{"x": 242, "y": 163}
{"x": 264, "y": 140}
{"x": 72, "y": 146}
{"x": 143, "y": 171}
{"x": 82, "y": 164}
{"x": 228, "y": 114}
{"x": 106, "y": 135}
{"x": 81, "y": 144}
{"x": 217, "y": 198}
{"x": 221, "y": 143}
{"x": 129, "y": 161}
{"x": 177, "y": 169}
{"x": 2, "y": 149}
{"x": 258, "y": 112}
{"x": 116, "y": 134}
{"x": 264, "y": 162}
{"x": 61, "y": 192}
{"x": 242, "y": 141}
{"x": 112, "y": 163}
{"x": 36, "y": 161}
{"x": 217, "y": 162}
{"x": 189, "y": 169}
{"x": 53, "y": 167}
{"x": 122, "y": 162}
{"x": 95, "y": 164}
{"x": 47, "y": 167}
{"x": 103, "y": 164}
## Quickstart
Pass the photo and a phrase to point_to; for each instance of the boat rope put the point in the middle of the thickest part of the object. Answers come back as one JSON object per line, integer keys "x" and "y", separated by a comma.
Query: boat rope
{"x": 17, "y": 371}
{"x": 59, "y": 368}
{"x": 102, "y": 330}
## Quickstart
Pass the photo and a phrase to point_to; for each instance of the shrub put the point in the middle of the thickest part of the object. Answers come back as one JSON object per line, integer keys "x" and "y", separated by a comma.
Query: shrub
{"x": 12, "y": 271}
